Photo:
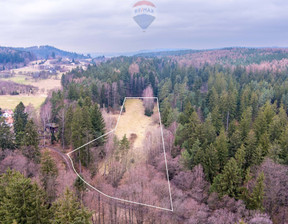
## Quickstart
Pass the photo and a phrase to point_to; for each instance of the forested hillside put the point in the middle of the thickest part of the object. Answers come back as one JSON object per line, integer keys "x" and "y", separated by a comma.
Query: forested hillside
{"x": 229, "y": 120}
{"x": 45, "y": 52}
{"x": 256, "y": 58}
{"x": 225, "y": 132}
{"x": 11, "y": 58}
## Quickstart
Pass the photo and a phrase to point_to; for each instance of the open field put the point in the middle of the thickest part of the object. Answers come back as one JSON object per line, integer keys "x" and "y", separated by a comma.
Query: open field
{"x": 133, "y": 121}
{"x": 20, "y": 79}
{"x": 47, "y": 84}
{"x": 137, "y": 126}
{"x": 10, "y": 102}
{"x": 23, "y": 75}
{"x": 44, "y": 84}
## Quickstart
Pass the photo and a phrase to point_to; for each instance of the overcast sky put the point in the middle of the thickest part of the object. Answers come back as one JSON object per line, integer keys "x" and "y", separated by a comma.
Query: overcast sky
{"x": 107, "y": 26}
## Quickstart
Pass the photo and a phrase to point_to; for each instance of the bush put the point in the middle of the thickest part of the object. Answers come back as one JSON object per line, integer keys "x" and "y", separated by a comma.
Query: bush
{"x": 148, "y": 112}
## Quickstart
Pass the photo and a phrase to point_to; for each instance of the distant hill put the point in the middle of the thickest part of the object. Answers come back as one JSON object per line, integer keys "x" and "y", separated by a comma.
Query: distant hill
{"x": 166, "y": 53}
{"x": 259, "y": 57}
{"x": 149, "y": 53}
{"x": 14, "y": 58}
{"x": 44, "y": 52}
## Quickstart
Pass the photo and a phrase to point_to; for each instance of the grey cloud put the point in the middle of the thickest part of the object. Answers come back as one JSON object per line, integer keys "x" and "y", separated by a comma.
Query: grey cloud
{"x": 107, "y": 26}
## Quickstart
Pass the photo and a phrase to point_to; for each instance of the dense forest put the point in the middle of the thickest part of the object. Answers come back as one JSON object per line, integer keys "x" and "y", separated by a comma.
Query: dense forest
{"x": 226, "y": 136}
{"x": 11, "y": 58}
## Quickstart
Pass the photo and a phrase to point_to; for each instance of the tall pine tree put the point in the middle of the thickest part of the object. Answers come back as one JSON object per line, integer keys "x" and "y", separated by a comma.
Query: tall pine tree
{"x": 221, "y": 146}
{"x": 20, "y": 121}
{"x": 229, "y": 181}
{"x": 30, "y": 142}
{"x": 21, "y": 200}
{"x": 98, "y": 124}
{"x": 6, "y": 136}
{"x": 69, "y": 211}
{"x": 49, "y": 173}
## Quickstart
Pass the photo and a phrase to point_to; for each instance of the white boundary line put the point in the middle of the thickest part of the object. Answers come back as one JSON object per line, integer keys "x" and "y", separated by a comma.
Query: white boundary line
{"x": 167, "y": 173}
{"x": 119, "y": 199}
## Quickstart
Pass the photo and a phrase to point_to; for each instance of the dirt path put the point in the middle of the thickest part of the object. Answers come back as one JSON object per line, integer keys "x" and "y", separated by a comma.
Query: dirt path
{"x": 63, "y": 156}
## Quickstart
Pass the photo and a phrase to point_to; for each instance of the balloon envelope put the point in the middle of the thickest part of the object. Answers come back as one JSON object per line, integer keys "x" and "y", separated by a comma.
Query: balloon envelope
{"x": 144, "y": 13}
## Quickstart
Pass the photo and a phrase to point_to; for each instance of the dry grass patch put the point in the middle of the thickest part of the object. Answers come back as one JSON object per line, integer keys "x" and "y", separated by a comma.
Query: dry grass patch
{"x": 133, "y": 121}
{"x": 10, "y": 102}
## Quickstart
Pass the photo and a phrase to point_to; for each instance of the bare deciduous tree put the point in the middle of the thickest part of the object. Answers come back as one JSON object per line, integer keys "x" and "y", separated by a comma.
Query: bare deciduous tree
{"x": 45, "y": 115}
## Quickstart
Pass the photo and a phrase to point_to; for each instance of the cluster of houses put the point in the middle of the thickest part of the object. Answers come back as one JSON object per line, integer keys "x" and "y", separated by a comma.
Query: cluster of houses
{"x": 8, "y": 115}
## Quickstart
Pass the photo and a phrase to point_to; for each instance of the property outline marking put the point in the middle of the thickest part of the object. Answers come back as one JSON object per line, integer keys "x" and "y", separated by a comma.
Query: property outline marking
{"x": 166, "y": 165}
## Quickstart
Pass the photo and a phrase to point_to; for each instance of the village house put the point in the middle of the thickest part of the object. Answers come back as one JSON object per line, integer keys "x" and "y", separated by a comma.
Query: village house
{"x": 8, "y": 115}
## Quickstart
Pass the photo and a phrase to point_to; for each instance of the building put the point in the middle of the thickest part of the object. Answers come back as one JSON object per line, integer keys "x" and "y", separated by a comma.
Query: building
{"x": 8, "y": 115}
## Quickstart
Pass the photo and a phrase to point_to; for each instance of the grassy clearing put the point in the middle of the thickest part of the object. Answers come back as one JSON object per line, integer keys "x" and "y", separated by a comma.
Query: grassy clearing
{"x": 10, "y": 102}
{"x": 135, "y": 124}
{"x": 133, "y": 121}
{"x": 45, "y": 84}
{"x": 20, "y": 79}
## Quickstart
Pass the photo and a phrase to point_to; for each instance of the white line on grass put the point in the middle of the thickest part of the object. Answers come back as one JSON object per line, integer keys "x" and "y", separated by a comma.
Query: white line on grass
{"x": 167, "y": 173}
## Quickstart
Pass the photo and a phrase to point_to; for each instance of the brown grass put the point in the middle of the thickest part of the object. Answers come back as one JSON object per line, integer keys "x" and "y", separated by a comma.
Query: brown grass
{"x": 135, "y": 124}
{"x": 10, "y": 102}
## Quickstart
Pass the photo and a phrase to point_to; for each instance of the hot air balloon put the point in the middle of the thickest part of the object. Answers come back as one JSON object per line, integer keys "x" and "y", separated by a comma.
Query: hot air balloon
{"x": 144, "y": 13}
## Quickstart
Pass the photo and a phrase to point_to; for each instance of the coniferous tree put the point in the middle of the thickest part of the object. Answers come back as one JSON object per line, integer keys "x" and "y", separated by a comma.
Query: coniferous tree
{"x": 6, "y": 136}
{"x": 102, "y": 97}
{"x": 49, "y": 173}
{"x": 185, "y": 115}
{"x": 258, "y": 193}
{"x": 207, "y": 133}
{"x": 221, "y": 146}
{"x": 80, "y": 186}
{"x": 264, "y": 119}
{"x": 87, "y": 134}
{"x": 245, "y": 123}
{"x": 212, "y": 98}
{"x": 229, "y": 181}
{"x": 76, "y": 127}
{"x": 67, "y": 210}
{"x": 217, "y": 119}
{"x": 95, "y": 93}
{"x": 30, "y": 142}
{"x": 68, "y": 126}
{"x": 78, "y": 138}
{"x": 254, "y": 200}
{"x": 210, "y": 163}
{"x": 124, "y": 144}
{"x": 98, "y": 125}
{"x": 20, "y": 121}
{"x": 189, "y": 134}
{"x": 21, "y": 200}
{"x": 167, "y": 113}
{"x": 277, "y": 126}
{"x": 284, "y": 145}
{"x": 240, "y": 159}
{"x": 190, "y": 157}
{"x": 235, "y": 142}
{"x": 251, "y": 146}
{"x": 264, "y": 143}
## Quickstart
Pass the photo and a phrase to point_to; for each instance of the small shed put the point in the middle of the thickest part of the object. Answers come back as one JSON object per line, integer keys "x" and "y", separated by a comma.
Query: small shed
{"x": 52, "y": 127}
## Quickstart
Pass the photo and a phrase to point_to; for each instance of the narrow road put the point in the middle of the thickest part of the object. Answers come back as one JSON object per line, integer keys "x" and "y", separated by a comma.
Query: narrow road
{"x": 64, "y": 157}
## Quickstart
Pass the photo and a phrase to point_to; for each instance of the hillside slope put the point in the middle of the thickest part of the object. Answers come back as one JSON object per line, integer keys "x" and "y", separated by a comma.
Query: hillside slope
{"x": 13, "y": 58}
{"x": 44, "y": 52}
